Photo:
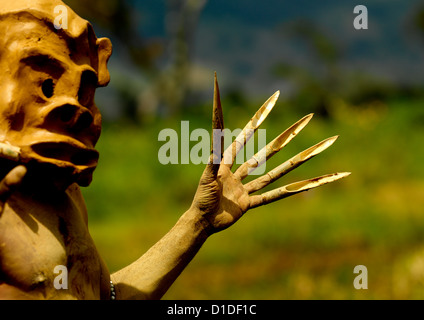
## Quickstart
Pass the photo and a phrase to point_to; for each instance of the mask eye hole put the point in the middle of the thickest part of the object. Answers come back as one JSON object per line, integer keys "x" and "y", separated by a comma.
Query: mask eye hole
{"x": 48, "y": 88}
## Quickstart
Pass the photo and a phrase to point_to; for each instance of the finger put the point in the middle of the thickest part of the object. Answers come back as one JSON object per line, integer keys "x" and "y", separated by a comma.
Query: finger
{"x": 231, "y": 152}
{"x": 272, "y": 148}
{"x": 294, "y": 188}
{"x": 9, "y": 152}
{"x": 217, "y": 131}
{"x": 289, "y": 165}
{"x": 11, "y": 181}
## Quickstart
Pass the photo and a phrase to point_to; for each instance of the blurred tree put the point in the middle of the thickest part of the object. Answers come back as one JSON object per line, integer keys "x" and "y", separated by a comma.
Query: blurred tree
{"x": 181, "y": 23}
{"x": 319, "y": 87}
{"x": 314, "y": 89}
{"x": 118, "y": 18}
{"x": 166, "y": 82}
{"x": 419, "y": 21}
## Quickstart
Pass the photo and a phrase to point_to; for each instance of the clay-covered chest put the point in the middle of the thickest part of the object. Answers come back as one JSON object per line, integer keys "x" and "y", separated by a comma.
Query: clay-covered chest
{"x": 42, "y": 243}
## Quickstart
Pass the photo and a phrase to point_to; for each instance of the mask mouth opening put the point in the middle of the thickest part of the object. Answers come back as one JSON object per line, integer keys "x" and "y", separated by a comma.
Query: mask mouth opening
{"x": 66, "y": 152}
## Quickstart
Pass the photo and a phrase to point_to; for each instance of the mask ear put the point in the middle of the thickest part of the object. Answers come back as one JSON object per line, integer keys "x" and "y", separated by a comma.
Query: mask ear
{"x": 104, "y": 49}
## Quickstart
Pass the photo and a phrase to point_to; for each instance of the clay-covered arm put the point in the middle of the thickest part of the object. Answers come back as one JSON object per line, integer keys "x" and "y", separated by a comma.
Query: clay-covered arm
{"x": 220, "y": 201}
{"x": 150, "y": 276}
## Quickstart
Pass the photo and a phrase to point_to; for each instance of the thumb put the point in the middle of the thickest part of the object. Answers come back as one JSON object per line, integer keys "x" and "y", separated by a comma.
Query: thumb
{"x": 10, "y": 182}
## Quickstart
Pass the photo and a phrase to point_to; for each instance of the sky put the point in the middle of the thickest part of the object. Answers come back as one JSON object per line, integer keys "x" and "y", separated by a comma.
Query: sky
{"x": 243, "y": 40}
{"x": 247, "y": 31}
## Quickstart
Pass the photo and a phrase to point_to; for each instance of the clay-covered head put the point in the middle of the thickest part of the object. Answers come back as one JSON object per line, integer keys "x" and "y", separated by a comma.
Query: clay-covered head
{"x": 47, "y": 83}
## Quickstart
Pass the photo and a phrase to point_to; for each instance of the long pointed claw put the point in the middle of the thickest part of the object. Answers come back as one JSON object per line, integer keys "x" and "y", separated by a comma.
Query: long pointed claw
{"x": 217, "y": 117}
{"x": 294, "y": 188}
{"x": 289, "y": 165}
{"x": 9, "y": 152}
{"x": 217, "y": 124}
{"x": 217, "y": 127}
{"x": 272, "y": 148}
{"x": 250, "y": 128}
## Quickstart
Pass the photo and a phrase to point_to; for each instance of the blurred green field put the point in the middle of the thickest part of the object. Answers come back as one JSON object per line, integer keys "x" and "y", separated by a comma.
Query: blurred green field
{"x": 303, "y": 247}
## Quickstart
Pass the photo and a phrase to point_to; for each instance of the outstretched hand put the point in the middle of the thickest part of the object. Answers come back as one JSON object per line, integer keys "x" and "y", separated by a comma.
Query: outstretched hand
{"x": 222, "y": 198}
